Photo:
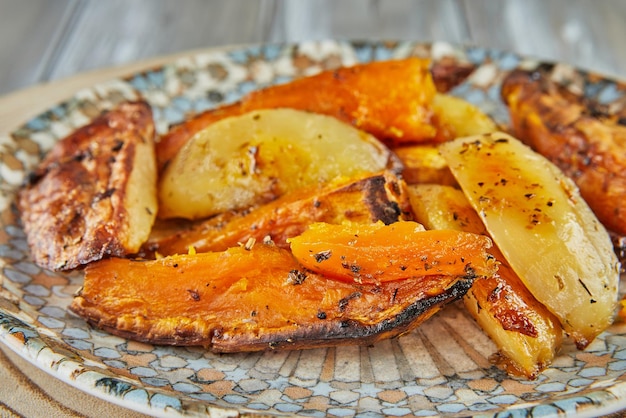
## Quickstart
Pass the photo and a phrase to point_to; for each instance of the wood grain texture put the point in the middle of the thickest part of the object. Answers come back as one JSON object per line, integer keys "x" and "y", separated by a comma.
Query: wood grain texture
{"x": 29, "y": 394}
{"x": 586, "y": 34}
{"x": 30, "y": 32}
{"x": 115, "y": 32}
{"x": 371, "y": 19}
{"x": 45, "y": 40}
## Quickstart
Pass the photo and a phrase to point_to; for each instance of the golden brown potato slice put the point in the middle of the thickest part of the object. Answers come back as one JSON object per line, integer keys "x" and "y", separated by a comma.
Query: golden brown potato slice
{"x": 94, "y": 194}
{"x": 525, "y": 332}
{"x": 254, "y": 158}
{"x": 381, "y": 197}
{"x": 546, "y": 231}
{"x": 582, "y": 141}
{"x": 250, "y": 299}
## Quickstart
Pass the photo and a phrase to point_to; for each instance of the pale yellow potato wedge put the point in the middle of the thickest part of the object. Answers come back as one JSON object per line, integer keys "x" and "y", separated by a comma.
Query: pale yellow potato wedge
{"x": 527, "y": 335}
{"x": 460, "y": 117}
{"x": 254, "y": 158}
{"x": 544, "y": 228}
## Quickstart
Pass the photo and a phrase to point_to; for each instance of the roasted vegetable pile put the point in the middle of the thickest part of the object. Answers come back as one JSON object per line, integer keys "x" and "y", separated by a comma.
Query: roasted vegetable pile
{"x": 340, "y": 208}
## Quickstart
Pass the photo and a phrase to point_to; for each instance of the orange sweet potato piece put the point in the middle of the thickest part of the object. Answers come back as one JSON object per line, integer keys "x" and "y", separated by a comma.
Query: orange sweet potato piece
{"x": 584, "y": 141}
{"x": 389, "y": 99}
{"x": 381, "y": 197}
{"x": 250, "y": 300}
{"x": 379, "y": 253}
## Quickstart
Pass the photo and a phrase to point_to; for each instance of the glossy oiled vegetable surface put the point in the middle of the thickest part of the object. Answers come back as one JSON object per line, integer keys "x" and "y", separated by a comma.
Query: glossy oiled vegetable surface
{"x": 543, "y": 227}
{"x": 257, "y": 157}
{"x": 379, "y": 253}
{"x": 252, "y": 299}
{"x": 582, "y": 139}
{"x": 389, "y": 99}
{"x": 94, "y": 195}
{"x": 381, "y": 197}
{"x": 528, "y": 336}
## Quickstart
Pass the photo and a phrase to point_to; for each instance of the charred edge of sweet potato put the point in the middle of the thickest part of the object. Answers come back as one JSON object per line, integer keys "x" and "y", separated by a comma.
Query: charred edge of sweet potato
{"x": 379, "y": 203}
{"x": 448, "y": 72}
{"x": 379, "y": 197}
{"x": 322, "y": 334}
{"x": 340, "y": 332}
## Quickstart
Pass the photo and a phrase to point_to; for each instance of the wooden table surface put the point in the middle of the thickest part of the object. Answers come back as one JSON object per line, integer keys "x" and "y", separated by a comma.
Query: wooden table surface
{"x": 51, "y": 48}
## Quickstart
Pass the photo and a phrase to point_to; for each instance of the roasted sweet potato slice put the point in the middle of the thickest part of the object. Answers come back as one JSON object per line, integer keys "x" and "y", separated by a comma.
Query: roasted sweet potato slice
{"x": 585, "y": 143}
{"x": 376, "y": 253}
{"x": 250, "y": 300}
{"x": 388, "y": 99}
{"x": 94, "y": 194}
{"x": 381, "y": 197}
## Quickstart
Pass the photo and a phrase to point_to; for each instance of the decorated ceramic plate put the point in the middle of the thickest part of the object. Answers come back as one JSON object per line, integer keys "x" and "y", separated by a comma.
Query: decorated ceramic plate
{"x": 442, "y": 368}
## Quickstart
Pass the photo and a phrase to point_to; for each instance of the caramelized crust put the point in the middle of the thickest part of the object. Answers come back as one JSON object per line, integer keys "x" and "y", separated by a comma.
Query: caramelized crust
{"x": 94, "y": 194}
{"x": 378, "y": 198}
{"x": 525, "y": 332}
{"x": 586, "y": 144}
{"x": 251, "y": 300}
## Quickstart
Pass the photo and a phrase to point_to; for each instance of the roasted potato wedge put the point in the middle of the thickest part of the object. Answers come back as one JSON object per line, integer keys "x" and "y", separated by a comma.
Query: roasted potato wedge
{"x": 546, "y": 231}
{"x": 389, "y": 99}
{"x": 251, "y": 299}
{"x": 254, "y": 158}
{"x": 587, "y": 144}
{"x": 527, "y": 335}
{"x": 94, "y": 194}
{"x": 382, "y": 197}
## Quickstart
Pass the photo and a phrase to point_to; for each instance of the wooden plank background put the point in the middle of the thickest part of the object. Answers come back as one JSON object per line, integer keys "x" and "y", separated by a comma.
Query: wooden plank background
{"x": 43, "y": 40}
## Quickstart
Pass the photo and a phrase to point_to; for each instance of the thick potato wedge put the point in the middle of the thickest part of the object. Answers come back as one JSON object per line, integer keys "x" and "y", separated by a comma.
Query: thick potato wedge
{"x": 94, "y": 194}
{"x": 582, "y": 141}
{"x": 525, "y": 332}
{"x": 389, "y": 99}
{"x": 455, "y": 117}
{"x": 376, "y": 253}
{"x": 252, "y": 159}
{"x": 252, "y": 299}
{"x": 544, "y": 228}
{"x": 382, "y": 197}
